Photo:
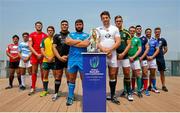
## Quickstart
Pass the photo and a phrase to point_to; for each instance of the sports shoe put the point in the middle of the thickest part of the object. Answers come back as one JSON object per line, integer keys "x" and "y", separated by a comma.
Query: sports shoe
{"x": 146, "y": 92}
{"x": 154, "y": 89}
{"x": 108, "y": 98}
{"x": 43, "y": 93}
{"x": 149, "y": 88}
{"x": 164, "y": 89}
{"x": 9, "y": 87}
{"x": 55, "y": 97}
{"x": 31, "y": 92}
{"x": 139, "y": 94}
{"x": 123, "y": 94}
{"x": 133, "y": 91}
{"x": 115, "y": 100}
{"x": 130, "y": 97}
{"x": 22, "y": 87}
{"x": 69, "y": 101}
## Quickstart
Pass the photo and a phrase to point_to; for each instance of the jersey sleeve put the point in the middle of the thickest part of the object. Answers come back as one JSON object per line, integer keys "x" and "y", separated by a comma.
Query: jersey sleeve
{"x": 128, "y": 35}
{"x": 156, "y": 44}
{"x": 19, "y": 47}
{"x": 55, "y": 41}
{"x": 139, "y": 43}
{"x": 116, "y": 32}
{"x": 42, "y": 45}
{"x": 164, "y": 43}
{"x": 7, "y": 49}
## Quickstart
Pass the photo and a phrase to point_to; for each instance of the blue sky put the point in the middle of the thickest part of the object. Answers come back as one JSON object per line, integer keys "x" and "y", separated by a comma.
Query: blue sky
{"x": 17, "y": 16}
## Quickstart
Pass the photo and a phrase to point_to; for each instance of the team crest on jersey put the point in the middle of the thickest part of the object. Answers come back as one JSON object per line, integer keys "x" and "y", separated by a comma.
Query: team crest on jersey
{"x": 107, "y": 35}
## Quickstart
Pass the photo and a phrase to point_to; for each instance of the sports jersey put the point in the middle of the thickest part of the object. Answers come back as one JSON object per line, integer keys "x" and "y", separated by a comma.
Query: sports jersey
{"x": 107, "y": 35}
{"x": 13, "y": 50}
{"x": 59, "y": 40}
{"x": 124, "y": 37}
{"x": 75, "y": 52}
{"x": 36, "y": 40}
{"x": 135, "y": 43}
{"x": 153, "y": 44}
{"x": 162, "y": 43}
{"x": 47, "y": 45}
{"x": 23, "y": 48}
{"x": 144, "y": 41}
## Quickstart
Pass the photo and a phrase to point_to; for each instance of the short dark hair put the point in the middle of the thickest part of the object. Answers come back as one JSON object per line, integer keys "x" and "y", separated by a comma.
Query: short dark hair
{"x": 38, "y": 22}
{"x": 51, "y": 28}
{"x": 105, "y": 13}
{"x": 118, "y": 16}
{"x": 148, "y": 29}
{"x": 79, "y": 21}
{"x": 25, "y": 33}
{"x": 15, "y": 36}
{"x": 132, "y": 27}
{"x": 138, "y": 26}
{"x": 157, "y": 28}
{"x": 64, "y": 21}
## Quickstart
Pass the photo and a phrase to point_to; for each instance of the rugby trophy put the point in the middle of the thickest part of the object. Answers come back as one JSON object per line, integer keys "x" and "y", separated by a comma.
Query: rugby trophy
{"x": 92, "y": 48}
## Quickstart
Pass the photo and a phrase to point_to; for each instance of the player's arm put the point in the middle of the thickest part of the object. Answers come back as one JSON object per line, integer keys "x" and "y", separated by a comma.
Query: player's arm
{"x": 30, "y": 43}
{"x": 117, "y": 43}
{"x": 155, "y": 53}
{"x": 145, "y": 52}
{"x": 8, "y": 53}
{"x": 138, "y": 52}
{"x": 56, "y": 53}
{"x": 165, "y": 48}
{"x": 71, "y": 42}
{"x": 84, "y": 43}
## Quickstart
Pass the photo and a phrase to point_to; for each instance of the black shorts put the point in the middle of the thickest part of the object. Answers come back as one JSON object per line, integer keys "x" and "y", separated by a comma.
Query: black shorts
{"x": 14, "y": 65}
{"x": 161, "y": 64}
{"x": 60, "y": 65}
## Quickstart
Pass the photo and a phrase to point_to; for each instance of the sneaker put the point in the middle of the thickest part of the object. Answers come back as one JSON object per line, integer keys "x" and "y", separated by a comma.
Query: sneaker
{"x": 115, "y": 100}
{"x": 149, "y": 88}
{"x": 9, "y": 87}
{"x": 123, "y": 94}
{"x": 164, "y": 89}
{"x": 31, "y": 92}
{"x": 140, "y": 95}
{"x": 69, "y": 101}
{"x": 55, "y": 97}
{"x": 133, "y": 91}
{"x": 146, "y": 92}
{"x": 22, "y": 87}
{"x": 155, "y": 90}
{"x": 43, "y": 93}
{"x": 130, "y": 97}
{"x": 108, "y": 98}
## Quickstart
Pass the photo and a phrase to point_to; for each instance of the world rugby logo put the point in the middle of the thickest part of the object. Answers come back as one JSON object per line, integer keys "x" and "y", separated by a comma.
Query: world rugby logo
{"x": 94, "y": 62}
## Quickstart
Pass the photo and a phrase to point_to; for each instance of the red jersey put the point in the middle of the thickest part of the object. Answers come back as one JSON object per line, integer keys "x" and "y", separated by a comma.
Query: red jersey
{"x": 36, "y": 40}
{"x": 13, "y": 50}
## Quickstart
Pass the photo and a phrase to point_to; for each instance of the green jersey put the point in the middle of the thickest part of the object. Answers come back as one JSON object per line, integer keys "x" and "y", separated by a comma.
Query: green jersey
{"x": 124, "y": 37}
{"x": 135, "y": 43}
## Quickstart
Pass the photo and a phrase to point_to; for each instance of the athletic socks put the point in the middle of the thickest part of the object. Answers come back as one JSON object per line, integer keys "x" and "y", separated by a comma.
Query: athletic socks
{"x": 23, "y": 80}
{"x": 127, "y": 85}
{"x": 19, "y": 80}
{"x": 11, "y": 78}
{"x": 45, "y": 85}
{"x": 133, "y": 80}
{"x": 34, "y": 78}
{"x": 153, "y": 82}
{"x": 71, "y": 90}
{"x": 138, "y": 79}
{"x": 57, "y": 85}
{"x": 145, "y": 82}
{"x": 112, "y": 84}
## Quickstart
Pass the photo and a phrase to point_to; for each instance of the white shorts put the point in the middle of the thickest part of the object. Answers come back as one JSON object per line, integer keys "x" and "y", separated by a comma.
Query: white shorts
{"x": 135, "y": 65}
{"x": 113, "y": 61}
{"x": 144, "y": 63}
{"x": 24, "y": 65}
{"x": 123, "y": 63}
{"x": 152, "y": 64}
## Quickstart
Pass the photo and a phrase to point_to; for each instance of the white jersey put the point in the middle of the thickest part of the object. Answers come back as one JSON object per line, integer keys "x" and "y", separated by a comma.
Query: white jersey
{"x": 107, "y": 35}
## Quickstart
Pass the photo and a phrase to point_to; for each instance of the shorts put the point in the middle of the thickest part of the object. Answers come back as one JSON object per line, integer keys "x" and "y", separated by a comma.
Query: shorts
{"x": 152, "y": 64}
{"x": 74, "y": 67}
{"x": 144, "y": 63}
{"x": 24, "y": 65}
{"x": 48, "y": 66}
{"x": 14, "y": 65}
{"x": 161, "y": 65}
{"x": 113, "y": 61}
{"x": 123, "y": 63}
{"x": 34, "y": 60}
{"x": 60, "y": 65}
{"x": 135, "y": 65}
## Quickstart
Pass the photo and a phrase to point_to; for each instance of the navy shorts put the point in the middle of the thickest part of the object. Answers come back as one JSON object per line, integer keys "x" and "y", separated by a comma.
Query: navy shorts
{"x": 161, "y": 64}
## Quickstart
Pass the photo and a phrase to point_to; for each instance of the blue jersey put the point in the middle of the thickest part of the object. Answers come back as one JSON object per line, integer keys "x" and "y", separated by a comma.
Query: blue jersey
{"x": 23, "y": 48}
{"x": 144, "y": 41}
{"x": 153, "y": 44}
{"x": 75, "y": 52}
{"x": 162, "y": 43}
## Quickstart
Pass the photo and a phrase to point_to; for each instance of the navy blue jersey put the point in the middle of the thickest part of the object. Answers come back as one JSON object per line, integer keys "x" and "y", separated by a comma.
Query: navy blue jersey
{"x": 144, "y": 41}
{"x": 162, "y": 43}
